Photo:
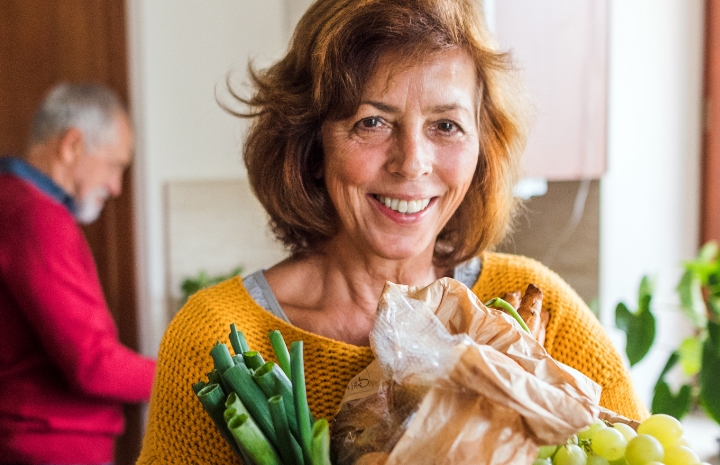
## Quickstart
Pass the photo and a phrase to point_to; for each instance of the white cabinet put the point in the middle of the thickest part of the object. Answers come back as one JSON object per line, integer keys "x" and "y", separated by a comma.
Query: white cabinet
{"x": 561, "y": 47}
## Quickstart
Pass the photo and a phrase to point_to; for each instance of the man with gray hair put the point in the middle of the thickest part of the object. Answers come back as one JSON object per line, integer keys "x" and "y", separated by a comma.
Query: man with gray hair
{"x": 64, "y": 374}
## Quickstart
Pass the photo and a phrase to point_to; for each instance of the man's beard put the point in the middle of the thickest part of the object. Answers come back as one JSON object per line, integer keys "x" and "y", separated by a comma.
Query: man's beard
{"x": 89, "y": 207}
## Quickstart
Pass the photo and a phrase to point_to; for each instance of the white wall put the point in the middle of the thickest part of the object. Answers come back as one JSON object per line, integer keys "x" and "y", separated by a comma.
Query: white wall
{"x": 180, "y": 51}
{"x": 649, "y": 200}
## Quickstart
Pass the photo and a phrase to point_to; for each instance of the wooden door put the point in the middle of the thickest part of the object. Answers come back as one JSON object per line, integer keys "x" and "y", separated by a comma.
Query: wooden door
{"x": 41, "y": 43}
{"x": 710, "y": 214}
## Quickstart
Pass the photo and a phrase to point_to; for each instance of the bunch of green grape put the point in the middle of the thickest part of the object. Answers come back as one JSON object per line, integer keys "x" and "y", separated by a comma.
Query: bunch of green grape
{"x": 658, "y": 441}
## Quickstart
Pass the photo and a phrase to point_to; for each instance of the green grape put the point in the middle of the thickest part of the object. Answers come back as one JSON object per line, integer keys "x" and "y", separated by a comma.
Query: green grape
{"x": 680, "y": 455}
{"x": 654, "y": 463}
{"x": 626, "y": 430}
{"x": 593, "y": 428}
{"x": 666, "y": 429}
{"x": 609, "y": 443}
{"x": 542, "y": 462}
{"x": 596, "y": 460}
{"x": 620, "y": 461}
{"x": 546, "y": 451}
{"x": 642, "y": 449}
{"x": 570, "y": 454}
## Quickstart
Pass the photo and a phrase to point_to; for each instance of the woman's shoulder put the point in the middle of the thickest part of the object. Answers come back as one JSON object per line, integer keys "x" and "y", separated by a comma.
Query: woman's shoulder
{"x": 502, "y": 272}
{"x": 574, "y": 335}
{"x": 218, "y": 302}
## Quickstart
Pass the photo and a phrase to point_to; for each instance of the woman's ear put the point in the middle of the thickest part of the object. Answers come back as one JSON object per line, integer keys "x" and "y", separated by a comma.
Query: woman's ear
{"x": 72, "y": 146}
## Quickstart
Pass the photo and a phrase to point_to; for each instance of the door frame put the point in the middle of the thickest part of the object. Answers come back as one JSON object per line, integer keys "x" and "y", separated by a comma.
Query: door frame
{"x": 710, "y": 196}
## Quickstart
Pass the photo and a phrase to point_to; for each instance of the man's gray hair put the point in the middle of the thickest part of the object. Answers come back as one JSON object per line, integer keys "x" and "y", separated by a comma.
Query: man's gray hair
{"x": 90, "y": 107}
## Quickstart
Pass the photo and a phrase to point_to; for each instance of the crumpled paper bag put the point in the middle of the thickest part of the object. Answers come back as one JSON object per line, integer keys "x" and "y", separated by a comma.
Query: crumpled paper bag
{"x": 455, "y": 382}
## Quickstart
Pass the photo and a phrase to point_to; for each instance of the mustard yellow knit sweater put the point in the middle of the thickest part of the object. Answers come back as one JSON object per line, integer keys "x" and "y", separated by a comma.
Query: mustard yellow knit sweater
{"x": 180, "y": 432}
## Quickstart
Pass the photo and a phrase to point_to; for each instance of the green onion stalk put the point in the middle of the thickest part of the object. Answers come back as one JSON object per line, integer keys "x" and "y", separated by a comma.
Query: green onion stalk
{"x": 501, "y": 304}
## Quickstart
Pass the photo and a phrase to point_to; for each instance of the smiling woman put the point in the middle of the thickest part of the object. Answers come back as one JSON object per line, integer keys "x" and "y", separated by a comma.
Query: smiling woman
{"x": 384, "y": 147}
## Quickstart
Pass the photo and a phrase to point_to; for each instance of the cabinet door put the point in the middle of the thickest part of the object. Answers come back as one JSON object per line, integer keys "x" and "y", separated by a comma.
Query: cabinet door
{"x": 561, "y": 47}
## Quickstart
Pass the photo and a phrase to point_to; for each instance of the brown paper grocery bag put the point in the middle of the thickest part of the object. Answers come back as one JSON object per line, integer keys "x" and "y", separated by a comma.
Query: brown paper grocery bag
{"x": 487, "y": 392}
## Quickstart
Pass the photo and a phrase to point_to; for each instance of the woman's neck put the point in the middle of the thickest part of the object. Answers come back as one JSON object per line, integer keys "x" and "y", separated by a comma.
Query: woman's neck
{"x": 335, "y": 292}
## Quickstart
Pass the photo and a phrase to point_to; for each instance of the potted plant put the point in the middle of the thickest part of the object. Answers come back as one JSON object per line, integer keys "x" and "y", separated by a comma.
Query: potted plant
{"x": 191, "y": 285}
{"x": 698, "y": 355}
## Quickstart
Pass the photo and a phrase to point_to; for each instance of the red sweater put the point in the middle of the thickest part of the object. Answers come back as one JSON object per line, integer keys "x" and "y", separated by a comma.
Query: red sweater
{"x": 63, "y": 372}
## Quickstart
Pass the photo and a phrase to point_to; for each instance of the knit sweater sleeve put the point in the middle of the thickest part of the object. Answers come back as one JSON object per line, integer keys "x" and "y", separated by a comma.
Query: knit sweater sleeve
{"x": 574, "y": 335}
{"x": 178, "y": 429}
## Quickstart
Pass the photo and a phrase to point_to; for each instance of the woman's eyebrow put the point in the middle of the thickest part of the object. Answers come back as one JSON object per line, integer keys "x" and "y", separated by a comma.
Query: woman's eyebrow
{"x": 448, "y": 107}
{"x": 436, "y": 109}
{"x": 381, "y": 106}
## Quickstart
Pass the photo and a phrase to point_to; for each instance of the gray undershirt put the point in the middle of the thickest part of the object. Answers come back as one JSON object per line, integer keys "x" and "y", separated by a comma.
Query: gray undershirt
{"x": 259, "y": 289}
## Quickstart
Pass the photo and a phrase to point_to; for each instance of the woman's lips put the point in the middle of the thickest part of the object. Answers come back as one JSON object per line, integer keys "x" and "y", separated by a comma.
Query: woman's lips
{"x": 407, "y": 207}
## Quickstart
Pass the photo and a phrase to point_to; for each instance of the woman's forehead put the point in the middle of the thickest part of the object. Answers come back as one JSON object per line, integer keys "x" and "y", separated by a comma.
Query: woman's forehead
{"x": 451, "y": 66}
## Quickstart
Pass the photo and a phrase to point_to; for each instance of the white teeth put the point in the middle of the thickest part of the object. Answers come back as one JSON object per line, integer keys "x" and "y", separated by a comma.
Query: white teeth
{"x": 403, "y": 206}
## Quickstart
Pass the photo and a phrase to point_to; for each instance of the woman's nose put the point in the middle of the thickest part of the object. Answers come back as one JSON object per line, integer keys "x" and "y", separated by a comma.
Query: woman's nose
{"x": 412, "y": 155}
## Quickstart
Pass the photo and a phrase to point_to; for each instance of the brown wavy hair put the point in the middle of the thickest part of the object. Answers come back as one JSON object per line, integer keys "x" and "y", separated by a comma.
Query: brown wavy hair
{"x": 333, "y": 53}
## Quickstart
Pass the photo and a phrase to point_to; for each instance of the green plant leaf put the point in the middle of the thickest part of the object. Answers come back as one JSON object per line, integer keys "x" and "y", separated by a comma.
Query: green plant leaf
{"x": 190, "y": 287}
{"x": 640, "y": 336}
{"x": 689, "y": 291}
{"x": 647, "y": 287}
{"x": 623, "y": 316}
{"x": 672, "y": 360}
{"x": 714, "y": 336}
{"x": 705, "y": 263}
{"x": 690, "y": 355}
{"x": 708, "y": 252}
{"x": 639, "y": 327}
{"x": 713, "y": 281}
{"x": 710, "y": 373}
{"x": 714, "y": 308}
{"x": 664, "y": 401}
{"x": 202, "y": 280}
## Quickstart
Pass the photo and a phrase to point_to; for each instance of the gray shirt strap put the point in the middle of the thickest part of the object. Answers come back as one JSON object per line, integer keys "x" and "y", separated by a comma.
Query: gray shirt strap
{"x": 259, "y": 289}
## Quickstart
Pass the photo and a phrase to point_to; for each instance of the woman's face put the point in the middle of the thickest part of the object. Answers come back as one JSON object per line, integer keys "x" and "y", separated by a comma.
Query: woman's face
{"x": 397, "y": 169}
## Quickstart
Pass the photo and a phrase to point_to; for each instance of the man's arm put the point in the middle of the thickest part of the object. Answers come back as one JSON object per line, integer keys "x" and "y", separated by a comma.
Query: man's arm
{"x": 54, "y": 280}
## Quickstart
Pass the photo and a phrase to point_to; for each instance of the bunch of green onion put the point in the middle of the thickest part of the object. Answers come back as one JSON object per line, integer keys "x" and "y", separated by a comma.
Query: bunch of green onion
{"x": 261, "y": 407}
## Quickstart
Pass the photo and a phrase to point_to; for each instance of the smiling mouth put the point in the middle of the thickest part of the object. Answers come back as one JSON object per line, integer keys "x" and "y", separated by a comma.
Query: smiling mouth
{"x": 403, "y": 206}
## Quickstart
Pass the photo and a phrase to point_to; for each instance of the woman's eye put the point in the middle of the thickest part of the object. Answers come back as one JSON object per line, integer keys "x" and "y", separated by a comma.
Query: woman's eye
{"x": 370, "y": 123}
{"x": 447, "y": 127}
